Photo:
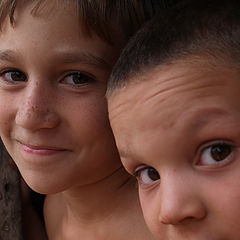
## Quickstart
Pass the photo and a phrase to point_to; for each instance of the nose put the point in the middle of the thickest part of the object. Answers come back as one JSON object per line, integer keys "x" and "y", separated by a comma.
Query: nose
{"x": 180, "y": 202}
{"x": 36, "y": 109}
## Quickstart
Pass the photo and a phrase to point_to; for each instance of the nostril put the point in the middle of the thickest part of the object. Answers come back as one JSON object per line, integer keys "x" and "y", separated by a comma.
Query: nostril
{"x": 184, "y": 220}
{"x": 52, "y": 119}
{"x": 165, "y": 220}
{"x": 188, "y": 211}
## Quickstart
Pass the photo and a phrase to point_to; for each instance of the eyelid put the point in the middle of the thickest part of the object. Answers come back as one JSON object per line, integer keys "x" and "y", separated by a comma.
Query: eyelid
{"x": 8, "y": 70}
{"x": 67, "y": 80}
{"x": 210, "y": 144}
{"x": 215, "y": 142}
{"x": 139, "y": 169}
{"x": 89, "y": 77}
{"x": 72, "y": 72}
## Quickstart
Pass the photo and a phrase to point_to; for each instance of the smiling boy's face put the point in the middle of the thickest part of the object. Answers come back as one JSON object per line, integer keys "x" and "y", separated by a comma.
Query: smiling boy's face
{"x": 179, "y": 131}
{"x": 53, "y": 111}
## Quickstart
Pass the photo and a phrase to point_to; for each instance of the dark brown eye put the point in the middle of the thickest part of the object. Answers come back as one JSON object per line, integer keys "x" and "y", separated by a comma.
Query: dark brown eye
{"x": 220, "y": 152}
{"x": 153, "y": 174}
{"x": 77, "y": 79}
{"x": 13, "y": 76}
{"x": 147, "y": 175}
{"x": 215, "y": 154}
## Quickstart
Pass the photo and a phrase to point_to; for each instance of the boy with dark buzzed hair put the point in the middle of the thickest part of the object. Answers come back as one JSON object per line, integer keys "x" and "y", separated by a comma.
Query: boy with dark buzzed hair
{"x": 55, "y": 60}
{"x": 174, "y": 109}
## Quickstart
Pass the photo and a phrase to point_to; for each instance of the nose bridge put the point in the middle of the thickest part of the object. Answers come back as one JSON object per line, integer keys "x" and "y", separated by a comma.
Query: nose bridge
{"x": 36, "y": 107}
{"x": 179, "y": 199}
{"x": 35, "y": 96}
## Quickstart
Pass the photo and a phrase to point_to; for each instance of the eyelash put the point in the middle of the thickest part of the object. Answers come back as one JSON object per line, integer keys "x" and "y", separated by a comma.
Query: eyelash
{"x": 88, "y": 77}
{"x": 219, "y": 147}
{"x": 206, "y": 154}
{"x": 140, "y": 170}
{"x": 11, "y": 71}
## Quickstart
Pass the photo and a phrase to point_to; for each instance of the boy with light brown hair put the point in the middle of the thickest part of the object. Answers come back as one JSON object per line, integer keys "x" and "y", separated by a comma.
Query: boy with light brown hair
{"x": 55, "y": 60}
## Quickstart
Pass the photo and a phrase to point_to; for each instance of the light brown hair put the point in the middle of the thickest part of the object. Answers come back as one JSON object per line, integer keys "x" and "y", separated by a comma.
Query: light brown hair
{"x": 106, "y": 18}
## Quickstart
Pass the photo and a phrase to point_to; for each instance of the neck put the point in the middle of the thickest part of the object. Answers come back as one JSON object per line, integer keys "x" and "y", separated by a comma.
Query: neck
{"x": 97, "y": 211}
{"x": 98, "y": 201}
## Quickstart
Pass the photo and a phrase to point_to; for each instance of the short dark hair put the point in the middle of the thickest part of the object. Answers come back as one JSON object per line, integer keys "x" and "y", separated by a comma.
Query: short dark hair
{"x": 209, "y": 27}
{"x": 106, "y": 18}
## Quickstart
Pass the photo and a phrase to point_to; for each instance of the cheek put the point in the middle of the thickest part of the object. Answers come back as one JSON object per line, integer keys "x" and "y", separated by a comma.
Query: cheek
{"x": 150, "y": 206}
{"x": 90, "y": 120}
{"x": 6, "y": 115}
{"x": 92, "y": 112}
{"x": 221, "y": 196}
{"x": 227, "y": 194}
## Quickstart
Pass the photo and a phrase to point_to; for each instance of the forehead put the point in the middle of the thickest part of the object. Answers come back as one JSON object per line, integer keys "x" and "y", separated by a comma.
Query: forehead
{"x": 91, "y": 16}
{"x": 36, "y": 8}
{"x": 45, "y": 11}
{"x": 172, "y": 97}
{"x": 57, "y": 29}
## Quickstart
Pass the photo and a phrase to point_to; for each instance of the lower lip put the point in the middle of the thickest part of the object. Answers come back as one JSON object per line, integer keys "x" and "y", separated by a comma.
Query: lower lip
{"x": 40, "y": 152}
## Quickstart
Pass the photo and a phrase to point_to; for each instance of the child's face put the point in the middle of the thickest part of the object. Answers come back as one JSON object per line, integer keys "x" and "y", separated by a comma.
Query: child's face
{"x": 179, "y": 132}
{"x": 52, "y": 106}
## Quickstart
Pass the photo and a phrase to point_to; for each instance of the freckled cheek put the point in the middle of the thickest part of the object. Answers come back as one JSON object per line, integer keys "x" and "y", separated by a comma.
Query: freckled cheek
{"x": 6, "y": 117}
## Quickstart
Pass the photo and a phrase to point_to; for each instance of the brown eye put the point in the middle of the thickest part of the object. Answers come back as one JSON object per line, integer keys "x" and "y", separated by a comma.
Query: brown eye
{"x": 153, "y": 174}
{"x": 13, "y": 76}
{"x": 77, "y": 79}
{"x": 216, "y": 153}
{"x": 147, "y": 175}
{"x": 220, "y": 152}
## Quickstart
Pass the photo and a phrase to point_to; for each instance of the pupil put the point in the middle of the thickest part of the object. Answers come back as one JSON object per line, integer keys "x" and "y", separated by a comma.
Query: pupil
{"x": 220, "y": 152}
{"x": 79, "y": 78}
{"x": 17, "y": 76}
{"x": 153, "y": 174}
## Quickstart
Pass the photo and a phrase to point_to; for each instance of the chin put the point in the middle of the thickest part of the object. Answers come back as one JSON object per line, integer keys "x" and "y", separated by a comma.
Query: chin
{"x": 43, "y": 185}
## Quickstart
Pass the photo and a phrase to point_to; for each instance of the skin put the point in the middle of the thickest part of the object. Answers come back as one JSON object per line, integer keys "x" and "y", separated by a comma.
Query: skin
{"x": 51, "y": 123}
{"x": 177, "y": 130}
{"x": 55, "y": 126}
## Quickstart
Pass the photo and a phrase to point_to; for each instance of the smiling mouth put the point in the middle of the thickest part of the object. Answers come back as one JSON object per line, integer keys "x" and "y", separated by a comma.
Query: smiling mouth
{"x": 41, "y": 150}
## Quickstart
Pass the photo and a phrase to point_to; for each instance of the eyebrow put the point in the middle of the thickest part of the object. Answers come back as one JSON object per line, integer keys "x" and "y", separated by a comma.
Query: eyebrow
{"x": 128, "y": 154}
{"x": 204, "y": 116}
{"x": 8, "y": 55}
{"x": 64, "y": 57}
{"x": 196, "y": 121}
{"x": 123, "y": 154}
{"x": 83, "y": 57}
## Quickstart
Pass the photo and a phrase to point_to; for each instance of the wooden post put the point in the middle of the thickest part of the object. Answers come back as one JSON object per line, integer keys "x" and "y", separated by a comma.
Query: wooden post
{"x": 10, "y": 200}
